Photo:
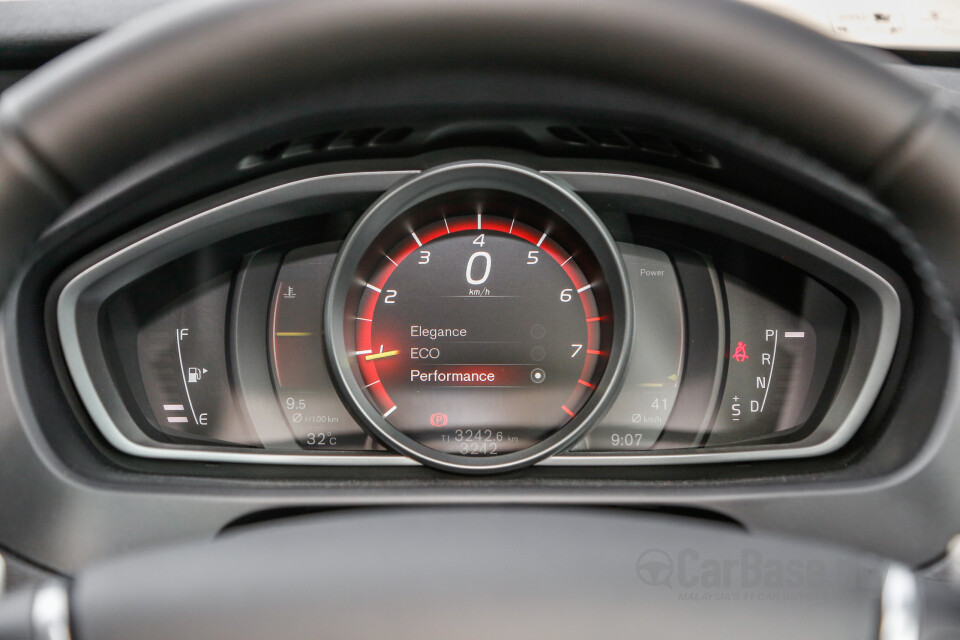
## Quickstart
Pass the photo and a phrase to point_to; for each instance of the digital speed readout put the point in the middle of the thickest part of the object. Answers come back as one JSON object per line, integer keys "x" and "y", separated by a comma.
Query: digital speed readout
{"x": 475, "y": 317}
{"x": 478, "y": 335}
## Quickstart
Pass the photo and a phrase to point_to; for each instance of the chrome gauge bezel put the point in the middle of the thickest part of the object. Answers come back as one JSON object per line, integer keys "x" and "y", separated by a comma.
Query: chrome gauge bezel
{"x": 464, "y": 176}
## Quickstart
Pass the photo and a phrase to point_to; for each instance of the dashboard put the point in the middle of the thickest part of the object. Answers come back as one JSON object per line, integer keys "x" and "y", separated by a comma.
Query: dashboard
{"x": 513, "y": 286}
{"x": 477, "y": 316}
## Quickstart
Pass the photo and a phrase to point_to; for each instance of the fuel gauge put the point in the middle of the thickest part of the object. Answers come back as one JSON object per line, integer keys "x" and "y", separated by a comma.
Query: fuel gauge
{"x": 183, "y": 364}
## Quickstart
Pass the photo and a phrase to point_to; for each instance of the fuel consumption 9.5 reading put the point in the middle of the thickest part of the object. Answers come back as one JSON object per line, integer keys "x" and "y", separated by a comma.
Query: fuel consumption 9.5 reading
{"x": 478, "y": 323}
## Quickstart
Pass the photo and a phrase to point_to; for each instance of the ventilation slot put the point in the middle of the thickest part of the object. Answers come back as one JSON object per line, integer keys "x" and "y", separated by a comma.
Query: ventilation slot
{"x": 391, "y": 136}
{"x": 263, "y": 156}
{"x": 327, "y": 143}
{"x": 606, "y": 137}
{"x": 313, "y": 144}
{"x": 651, "y": 143}
{"x": 633, "y": 140}
{"x": 568, "y": 135}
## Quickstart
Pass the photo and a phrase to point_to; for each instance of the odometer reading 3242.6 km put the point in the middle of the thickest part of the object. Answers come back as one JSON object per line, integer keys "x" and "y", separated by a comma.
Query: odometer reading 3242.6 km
{"x": 478, "y": 324}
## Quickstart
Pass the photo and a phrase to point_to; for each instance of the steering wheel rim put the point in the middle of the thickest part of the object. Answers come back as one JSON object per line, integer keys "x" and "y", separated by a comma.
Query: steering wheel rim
{"x": 482, "y": 573}
{"x": 113, "y": 102}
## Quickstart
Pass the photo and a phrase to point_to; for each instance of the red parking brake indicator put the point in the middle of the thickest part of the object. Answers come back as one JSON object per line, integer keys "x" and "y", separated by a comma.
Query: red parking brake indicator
{"x": 740, "y": 354}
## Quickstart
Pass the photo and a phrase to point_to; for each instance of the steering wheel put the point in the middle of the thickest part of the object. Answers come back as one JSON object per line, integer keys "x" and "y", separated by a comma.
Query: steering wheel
{"x": 149, "y": 92}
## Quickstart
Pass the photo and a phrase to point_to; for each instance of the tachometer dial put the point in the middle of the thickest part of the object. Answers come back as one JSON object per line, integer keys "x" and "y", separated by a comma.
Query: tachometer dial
{"x": 477, "y": 315}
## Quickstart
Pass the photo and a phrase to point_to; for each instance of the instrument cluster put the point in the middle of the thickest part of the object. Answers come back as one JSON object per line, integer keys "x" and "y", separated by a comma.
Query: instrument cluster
{"x": 477, "y": 317}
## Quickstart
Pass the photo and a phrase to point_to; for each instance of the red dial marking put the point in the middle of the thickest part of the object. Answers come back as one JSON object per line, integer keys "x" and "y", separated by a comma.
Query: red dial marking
{"x": 418, "y": 240}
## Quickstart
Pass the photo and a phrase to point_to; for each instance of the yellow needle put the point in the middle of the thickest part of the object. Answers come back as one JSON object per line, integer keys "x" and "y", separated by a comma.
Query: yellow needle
{"x": 294, "y": 334}
{"x": 383, "y": 354}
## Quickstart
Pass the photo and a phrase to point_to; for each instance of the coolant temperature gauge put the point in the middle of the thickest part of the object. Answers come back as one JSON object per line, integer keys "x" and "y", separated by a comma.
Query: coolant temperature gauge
{"x": 314, "y": 413}
{"x": 779, "y": 357}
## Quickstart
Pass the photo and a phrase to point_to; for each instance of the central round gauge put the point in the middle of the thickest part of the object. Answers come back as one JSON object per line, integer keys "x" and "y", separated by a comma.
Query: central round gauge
{"x": 476, "y": 325}
{"x": 459, "y": 351}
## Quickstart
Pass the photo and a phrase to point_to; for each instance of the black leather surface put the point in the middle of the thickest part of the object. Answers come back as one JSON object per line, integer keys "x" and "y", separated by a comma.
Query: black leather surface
{"x": 32, "y": 32}
{"x": 480, "y": 574}
{"x": 29, "y": 200}
{"x": 118, "y": 99}
{"x": 921, "y": 183}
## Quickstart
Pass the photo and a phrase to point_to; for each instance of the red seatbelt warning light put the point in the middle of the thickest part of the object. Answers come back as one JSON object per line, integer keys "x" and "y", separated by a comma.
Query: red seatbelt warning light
{"x": 740, "y": 353}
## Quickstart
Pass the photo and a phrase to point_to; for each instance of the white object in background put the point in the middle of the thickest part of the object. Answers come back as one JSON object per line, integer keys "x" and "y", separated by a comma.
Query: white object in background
{"x": 930, "y": 25}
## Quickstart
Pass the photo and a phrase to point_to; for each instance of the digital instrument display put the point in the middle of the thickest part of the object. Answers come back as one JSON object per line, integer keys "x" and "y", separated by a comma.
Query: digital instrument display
{"x": 183, "y": 365}
{"x": 477, "y": 322}
{"x": 316, "y": 417}
{"x": 479, "y": 317}
{"x": 479, "y": 335}
{"x": 634, "y": 422}
{"x": 783, "y": 349}
{"x": 654, "y": 373}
